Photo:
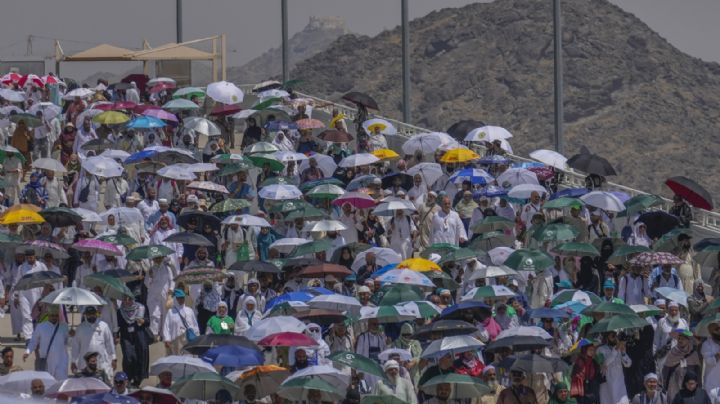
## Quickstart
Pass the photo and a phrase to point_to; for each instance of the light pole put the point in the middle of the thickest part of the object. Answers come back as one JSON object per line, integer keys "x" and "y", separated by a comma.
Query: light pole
{"x": 557, "y": 27}
{"x": 405, "y": 61}
{"x": 285, "y": 57}
{"x": 178, "y": 21}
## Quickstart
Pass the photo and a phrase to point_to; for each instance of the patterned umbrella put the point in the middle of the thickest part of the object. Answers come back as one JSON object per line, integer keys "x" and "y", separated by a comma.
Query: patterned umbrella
{"x": 208, "y": 186}
{"x": 98, "y": 247}
{"x": 309, "y": 123}
{"x": 656, "y": 258}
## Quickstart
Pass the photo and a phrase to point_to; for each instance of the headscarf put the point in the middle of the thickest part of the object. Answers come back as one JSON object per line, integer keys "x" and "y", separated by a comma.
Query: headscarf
{"x": 131, "y": 312}
{"x": 402, "y": 342}
{"x": 317, "y": 336}
{"x": 282, "y": 142}
{"x": 585, "y": 276}
{"x": 210, "y": 299}
{"x": 492, "y": 327}
{"x": 249, "y": 315}
{"x": 638, "y": 238}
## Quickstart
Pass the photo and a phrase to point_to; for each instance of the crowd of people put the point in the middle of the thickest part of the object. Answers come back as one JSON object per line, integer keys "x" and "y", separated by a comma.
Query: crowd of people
{"x": 279, "y": 256}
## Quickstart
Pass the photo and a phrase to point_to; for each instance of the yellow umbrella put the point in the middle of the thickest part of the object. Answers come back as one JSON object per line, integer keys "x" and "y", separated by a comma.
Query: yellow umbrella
{"x": 337, "y": 117}
{"x": 22, "y": 216}
{"x": 385, "y": 154}
{"x": 111, "y": 118}
{"x": 459, "y": 156}
{"x": 419, "y": 264}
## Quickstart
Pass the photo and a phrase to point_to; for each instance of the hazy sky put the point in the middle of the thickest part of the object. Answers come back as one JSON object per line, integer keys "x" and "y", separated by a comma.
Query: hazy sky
{"x": 253, "y": 26}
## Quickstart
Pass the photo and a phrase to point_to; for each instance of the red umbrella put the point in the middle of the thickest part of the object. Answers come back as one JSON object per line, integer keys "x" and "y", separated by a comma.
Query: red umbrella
{"x": 543, "y": 173}
{"x": 287, "y": 339}
{"x": 10, "y": 78}
{"x": 32, "y": 79}
{"x": 163, "y": 85}
{"x": 129, "y": 105}
{"x": 225, "y": 109}
{"x": 50, "y": 79}
{"x": 691, "y": 191}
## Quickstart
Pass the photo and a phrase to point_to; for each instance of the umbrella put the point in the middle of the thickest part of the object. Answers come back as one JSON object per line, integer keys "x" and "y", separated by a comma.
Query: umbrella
{"x": 287, "y": 156}
{"x": 383, "y": 256}
{"x": 255, "y": 266}
{"x": 279, "y": 192}
{"x": 388, "y": 208}
{"x": 358, "y": 362}
{"x": 115, "y": 154}
{"x": 298, "y": 389}
{"x": 608, "y": 308}
{"x": 407, "y": 277}
{"x": 324, "y": 269}
{"x": 603, "y": 200}
{"x": 88, "y": 216}
{"x": 188, "y": 238}
{"x": 202, "y": 126}
{"x": 266, "y": 379}
{"x": 49, "y": 164}
{"x": 274, "y": 325}
{"x": 60, "y": 217}
{"x": 156, "y": 395}
{"x": 444, "y": 328}
{"x": 478, "y": 310}
{"x": 421, "y": 308}
{"x": 311, "y": 247}
{"x": 159, "y": 80}
{"x": 225, "y": 92}
{"x": 325, "y": 163}
{"x": 529, "y": 260}
{"x": 180, "y": 366}
{"x": 386, "y": 314}
{"x": 404, "y": 354}
{"x": 429, "y": 143}
{"x": 189, "y": 92}
{"x": 625, "y": 253}
{"x": 361, "y": 99}
{"x": 492, "y": 271}
{"x": 122, "y": 274}
{"x": 73, "y": 296}
{"x": 564, "y": 296}
{"x": 487, "y": 134}
{"x": 225, "y": 110}
{"x": 452, "y": 346}
{"x": 38, "y": 280}
{"x": 180, "y": 104}
{"x": 402, "y": 180}
{"x": 21, "y": 216}
{"x": 76, "y": 387}
{"x": 203, "y": 386}
{"x": 691, "y": 191}
{"x": 146, "y": 122}
{"x": 676, "y": 295}
{"x": 247, "y": 220}
{"x": 102, "y": 167}
{"x": 19, "y": 382}
{"x": 309, "y": 123}
{"x": 476, "y": 176}
{"x": 400, "y": 293}
{"x": 524, "y": 191}
{"x": 381, "y": 399}
{"x": 555, "y": 232}
{"x": 658, "y": 223}
{"x": 551, "y": 158}
{"x": 615, "y": 323}
{"x": 459, "y": 155}
{"x": 148, "y": 252}
{"x": 204, "y": 342}
{"x": 591, "y": 164}
{"x": 656, "y": 258}
{"x": 358, "y": 200}
{"x": 702, "y": 329}
{"x": 517, "y": 176}
{"x": 522, "y": 338}
{"x": 111, "y": 118}
{"x": 325, "y": 191}
{"x": 419, "y": 264}
{"x": 324, "y": 225}
{"x": 563, "y": 202}
{"x": 98, "y": 247}
{"x": 11, "y": 95}
{"x": 201, "y": 218}
{"x": 112, "y": 287}
{"x": 463, "y": 386}
{"x": 162, "y": 114}
{"x": 208, "y": 186}
{"x": 196, "y": 275}
{"x": 430, "y": 172}
{"x": 492, "y": 223}
{"x": 577, "y": 250}
{"x": 641, "y": 202}
{"x": 42, "y": 247}
{"x": 358, "y": 160}
{"x": 487, "y": 292}
{"x": 336, "y": 136}
{"x": 31, "y": 121}
{"x": 532, "y": 363}
{"x": 645, "y": 310}
{"x": 176, "y": 173}
{"x": 233, "y": 356}
{"x": 287, "y": 339}
{"x": 78, "y": 92}
{"x": 499, "y": 255}
{"x": 124, "y": 215}
{"x": 544, "y": 312}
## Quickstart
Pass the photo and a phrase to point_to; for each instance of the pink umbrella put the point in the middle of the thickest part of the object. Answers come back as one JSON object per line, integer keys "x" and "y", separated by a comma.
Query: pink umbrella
{"x": 160, "y": 114}
{"x": 140, "y": 108}
{"x": 97, "y": 247}
{"x": 287, "y": 339}
{"x": 32, "y": 79}
{"x": 357, "y": 199}
{"x": 162, "y": 86}
{"x": 50, "y": 79}
{"x": 309, "y": 123}
{"x": 10, "y": 78}
{"x": 116, "y": 105}
{"x": 76, "y": 387}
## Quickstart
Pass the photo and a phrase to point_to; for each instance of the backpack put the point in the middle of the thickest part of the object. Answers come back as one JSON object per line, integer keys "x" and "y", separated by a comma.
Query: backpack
{"x": 674, "y": 277}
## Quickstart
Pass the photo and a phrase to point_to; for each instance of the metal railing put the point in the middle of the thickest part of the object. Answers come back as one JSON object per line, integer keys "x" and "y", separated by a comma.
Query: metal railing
{"x": 703, "y": 219}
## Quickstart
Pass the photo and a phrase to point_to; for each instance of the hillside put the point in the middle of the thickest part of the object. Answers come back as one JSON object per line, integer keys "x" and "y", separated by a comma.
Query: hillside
{"x": 652, "y": 110}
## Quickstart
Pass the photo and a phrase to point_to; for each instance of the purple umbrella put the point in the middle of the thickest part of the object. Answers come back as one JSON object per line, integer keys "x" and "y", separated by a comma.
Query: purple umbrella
{"x": 160, "y": 114}
{"x": 97, "y": 247}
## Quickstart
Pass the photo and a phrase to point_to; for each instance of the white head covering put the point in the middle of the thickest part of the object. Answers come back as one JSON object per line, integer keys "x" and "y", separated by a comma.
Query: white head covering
{"x": 249, "y": 299}
{"x": 317, "y": 335}
{"x": 391, "y": 364}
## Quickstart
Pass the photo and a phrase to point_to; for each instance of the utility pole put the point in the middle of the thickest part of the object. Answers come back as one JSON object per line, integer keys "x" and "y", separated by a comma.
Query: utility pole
{"x": 178, "y": 21}
{"x": 557, "y": 27}
{"x": 405, "y": 61}
{"x": 285, "y": 57}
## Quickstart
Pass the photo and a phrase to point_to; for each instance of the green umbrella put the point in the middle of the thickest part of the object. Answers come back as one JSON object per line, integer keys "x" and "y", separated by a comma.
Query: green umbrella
{"x": 438, "y": 248}
{"x": 9, "y": 238}
{"x": 562, "y": 203}
{"x": 189, "y": 92}
{"x": 149, "y": 251}
{"x": 280, "y": 180}
{"x": 260, "y": 160}
{"x": 564, "y": 296}
{"x": 577, "y": 250}
{"x": 646, "y": 310}
{"x": 326, "y": 191}
{"x": 290, "y": 308}
{"x": 357, "y": 362}
{"x": 113, "y": 288}
{"x": 267, "y": 103}
{"x": 713, "y": 307}
{"x": 234, "y": 168}
{"x": 425, "y": 309}
{"x": 31, "y": 121}
{"x": 260, "y": 147}
{"x": 311, "y": 247}
{"x": 608, "y": 308}
{"x": 492, "y": 223}
{"x": 289, "y": 206}
{"x": 459, "y": 255}
{"x": 387, "y": 314}
{"x": 463, "y": 386}
{"x": 229, "y": 158}
{"x": 668, "y": 241}
{"x": 555, "y": 232}
{"x": 7, "y": 151}
{"x": 307, "y": 213}
{"x": 203, "y": 386}
{"x": 529, "y": 260}
{"x": 296, "y": 389}
{"x": 399, "y": 293}
{"x": 325, "y": 181}
{"x": 625, "y": 253}
{"x": 490, "y": 291}
{"x": 640, "y": 202}
{"x": 119, "y": 239}
{"x": 442, "y": 280}
{"x": 615, "y": 323}
{"x": 701, "y": 329}
{"x": 488, "y": 241}
{"x": 381, "y": 399}
{"x": 229, "y": 205}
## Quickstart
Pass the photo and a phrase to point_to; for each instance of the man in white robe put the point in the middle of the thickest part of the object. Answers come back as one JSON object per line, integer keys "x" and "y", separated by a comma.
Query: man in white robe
{"x": 532, "y": 208}
{"x": 54, "y": 188}
{"x": 159, "y": 283}
{"x": 402, "y": 230}
{"x": 447, "y": 226}
{"x": 85, "y": 268}
{"x": 614, "y": 358}
{"x": 178, "y": 320}
{"x": 13, "y": 173}
{"x": 711, "y": 357}
{"x": 24, "y": 300}
{"x": 93, "y": 335}
{"x": 50, "y": 340}
{"x": 83, "y": 135}
{"x": 149, "y": 205}
{"x": 352, "y": 223}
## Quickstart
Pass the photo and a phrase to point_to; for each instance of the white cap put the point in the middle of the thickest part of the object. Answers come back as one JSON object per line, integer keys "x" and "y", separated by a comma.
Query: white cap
{"x": 650, "y": 376}
{"x": 363, "y": 289}
{"x": 192, "y": 199}
{"x": 673, "y": 304}
{"x": 391, "y": 364}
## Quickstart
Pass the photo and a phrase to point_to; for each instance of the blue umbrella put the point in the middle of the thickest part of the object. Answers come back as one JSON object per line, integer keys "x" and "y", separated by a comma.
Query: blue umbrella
{"x": 274, "y": 126}
{"x": 544, "y": 312}
{"x": 474, "y": 175}
{"x": 140, "y": 156}
{"x": 383, "y": 270}
{"x": 233, "y": 356}
{"x": 289, "y": 297}
{"x": 105, "y": 398}
{"x": 456, "y": 311}
{"x": 495, "y": 159}
{"x": 528, "y": 164}
{"x": 492, "y": 190}
{"x": 146, "y": 122}
{"x": 573, "y": 306}
{"x": 569, "y": 193}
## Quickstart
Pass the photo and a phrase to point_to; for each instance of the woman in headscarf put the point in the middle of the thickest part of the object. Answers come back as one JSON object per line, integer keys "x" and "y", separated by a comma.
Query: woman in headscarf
{"x": 221, "y": 323}
{"x": 586, "y": 377}
{"x": 162, "y": 230}
{"x": 86, "y": 193}
{"x": 601, "y": 262}
{"x": 639, "y": 236}
{"x": 22, "y": 140}
{"x": 282, "y": 142}
{"x": 134, "y": 339}
{"x": 682, "y": 359}
{"x": 346, "y": 258}
{"x": 691, "y": 392}
{"x": 587, "y": 279}
{"x": 247, "y": 316}
{"x": 207, "y": 304}
{"x": 698, "y": 302}
{"x": 65, "y": 142}
{"x": 264, "y": 239}
{"x": 252, "y": 133}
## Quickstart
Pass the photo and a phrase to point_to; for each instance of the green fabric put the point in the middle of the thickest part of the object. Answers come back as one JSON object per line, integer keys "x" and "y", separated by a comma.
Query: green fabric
{"x": 215, "y": 324}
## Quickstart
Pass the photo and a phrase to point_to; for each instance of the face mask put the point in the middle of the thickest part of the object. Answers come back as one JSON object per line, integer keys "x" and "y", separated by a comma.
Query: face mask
{"x": 208, "y": 289}
{"x": 91, "y": 320}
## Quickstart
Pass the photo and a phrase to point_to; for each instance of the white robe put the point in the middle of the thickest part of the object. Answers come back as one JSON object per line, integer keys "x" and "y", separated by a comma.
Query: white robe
{"x": 57, "y": 355}
{"x": 400, "y": 230}
{"x": 244, "y": 320}
{"x": 173, "y": 326}
{"x": 95, "y": 337}
{"x": 447, "y": 228}
{"x": 82, "y": 137}
{"x": 160, "y": 235}
{"x": 93, "y": 191}
{"x": 158, "y": 282}
{"x": 56, "y": 192}
{"x": 613, "y": 391}
{"x": 21, "y": 316}
{"x": 709, "y": 349}
{"x": 81, "y": 272}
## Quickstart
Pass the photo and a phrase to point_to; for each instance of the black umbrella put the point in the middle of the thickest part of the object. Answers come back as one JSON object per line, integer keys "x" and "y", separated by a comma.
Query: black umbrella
{"x": 200, "y": 218}
{"x": 533, "y": 363}
{"x": 301, "y": 262}
{"x": 362, "y": 99}
{"x": 173, "y": 157}
{"x": 189, "y": 238}
{"x": 691, "y": 191}
{"x": 97, "y": 145}
{"x": 658, "y": 223}
{"x": 518, "y": 343}
{"x": 38, "y": 280}
{"x": 254, "y": 266}
{"x": 405, "y": 181}
{"x": 61, "y": 217}
{"x": 444, "y": 328}
{"x": 204, "y": 342}
{"x": 591, "y": 164}
{"x": 460, "y": 129}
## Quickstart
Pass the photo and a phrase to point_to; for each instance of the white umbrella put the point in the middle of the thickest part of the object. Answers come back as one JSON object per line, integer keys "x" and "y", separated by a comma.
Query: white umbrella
{"x": 49, "y": 164}
{"x": 326, "y": 189}
{"x": 244, "y": 114}
{"x": 470, "y": 175}
{"x": 451, "y": 345}
{"x": 325, "y": 163}
{"x": 11, "y": 95}
{"x": 74, "y": 296}
{"x": 78, "y": 92}
{"x": 202, "y": 167}
{"x": 6, "y": 110}
{"x": 280, "y": 192}
{"x": 524, "y": 331}
{"x": 324, "y": 225}
{"x": 274, "y": 93}
{"x": 492, "y": 271}
{"x": 603, "y": 200}
{"x": 551, "y": 158}
{"x": 388, "y": 208}
{"x": 498, "y": 255}
{"x": 247, "y": 220}
{"x": 523, "y": 191}
{"x": 325, "y": 372}
{"x": 336, "y": 303}
{"x": 286, "y": 156}
{"x": 180, "y": 366}
{"x": 430, "y": 172}
{"x": 358, "y": 160}
{"x": 102, "y": 167}
{"x": 387, "y": 314}
{"x": 676, "y": 295}
{"x": 427, "y": 143}
{"x": 405, "y": 354}
{"x": 274, "y": 325}
{"x": 49, "y": 110}
{"x": 158, "y": 80}
{"x": 488, "y": 134}
{"x": 202, "y": 126}
{"x": 516, "y": 176}
{"x": 176, "y": 172}
{"x": 387, "y": 127}
{"x": 19, "y": 382}
{"x": 115, "y": 154}
{"x": 124, "y": 215}
{"x": 415, "y": 307}
{"x": 225, "y": 92}
{"x": 88, "y": 113}
{"x": 88, "y": 216}
{"x": 407, "y": 277}
{"x": 287, "y": 244}
{"x": 383, "y": 256}
{"x": 77, "y": 387}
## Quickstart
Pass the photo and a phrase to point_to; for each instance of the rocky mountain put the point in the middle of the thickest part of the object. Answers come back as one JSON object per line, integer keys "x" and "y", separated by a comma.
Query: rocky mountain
{"x": 314, "y": 38}
{"x": 630, "y": 96}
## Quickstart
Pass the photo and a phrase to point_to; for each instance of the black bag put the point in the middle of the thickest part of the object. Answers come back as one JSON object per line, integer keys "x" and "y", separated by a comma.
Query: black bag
{"x": 41, "y": 363}
{"x": 84, "y": 193}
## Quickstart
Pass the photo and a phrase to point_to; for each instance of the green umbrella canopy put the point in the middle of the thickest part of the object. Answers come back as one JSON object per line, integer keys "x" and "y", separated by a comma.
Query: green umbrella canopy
{"x": 7, "y": 151}
{"x": 615, "y": 323}
{"x": 325, "y": 191}
{"x": 640, "y": 202}
{"x": 529, "y": 260}
{"x": 463, "y": 386}
{"x": 311, "y": 247}
{"x": 357, "y": 362}
{"x": 608, "y": 308}
{"x": 119, "y": 239}
{"x": 306, "y": 186}
{"x": 439, "y": 248}
{"x": 381, "y": 399}
{"x": 564, "y": 202}
{"x": 229, "y": 205}
{"x": 203, "y": 386}
{"x": 289, "y": 206}
{"x": 265, "y": 104}
{"x": 112, "y": 288}
{"x": 492, "y": 223}
{"x": 234, "y": 168}
{"x": 701, "y": 329}
{"x": 148, "y": 251}
{"x": 307, "y": 213}
{"x": 459, "y": 255}
{"x": 260, "y": 160}
{"x": 9, "y": 238}
{"x": 297, "y": 389}
{"x": 399, "y": 293}
{"x": 625, "y": 253}
{"x": 555, "y": 232}
{"x": 577, "y": 250}
{"x": 442, "y": 280}
{"x": 668, "y": 241}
